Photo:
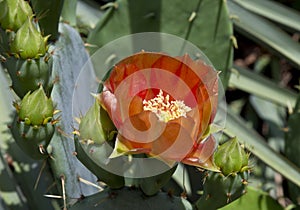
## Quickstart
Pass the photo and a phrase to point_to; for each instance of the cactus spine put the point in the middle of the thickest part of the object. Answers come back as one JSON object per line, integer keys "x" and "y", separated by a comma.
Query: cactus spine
{"x": 221, "y": 188}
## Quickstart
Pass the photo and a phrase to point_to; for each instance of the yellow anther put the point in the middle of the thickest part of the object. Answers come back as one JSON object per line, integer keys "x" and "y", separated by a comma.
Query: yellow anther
{"x": 165, "y": 109}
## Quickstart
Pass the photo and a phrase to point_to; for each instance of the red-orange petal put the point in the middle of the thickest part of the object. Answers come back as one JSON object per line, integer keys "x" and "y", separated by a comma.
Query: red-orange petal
{"x": 174, "y": 143}
{"x": 202, "y": 154}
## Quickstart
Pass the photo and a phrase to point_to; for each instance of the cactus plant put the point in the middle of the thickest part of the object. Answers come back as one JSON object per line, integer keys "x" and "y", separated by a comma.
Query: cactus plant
{"x": 48, "y": 14}
{"x": 33, "y": 125}
{"x": 43, "y": 64}
{"x": 14, "y": 14}
{"x": 28, "y": 42}
{"x": 91, "y": 135}
{"x": 118, "y": 199}
{"x": 229, "y": 184}
{"x": 186, "y": 23}
{"x": 28, "y": 75}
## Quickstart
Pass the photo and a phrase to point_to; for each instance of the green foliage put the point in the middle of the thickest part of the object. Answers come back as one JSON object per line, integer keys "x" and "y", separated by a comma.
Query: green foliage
{"x": 29, "y": 75}
{"x": 292, "y": 148}
{"x": 134, "y": 199}
{"x": 207, "y": 24}
{"x": 265, "y": 33}
{"x": 254, "y": 199}
{"x": 33, "y": 140}
{"x": 36, "y": 108}
{"x": 96, "y": 129}
{"x": 93, "y": 156}
{"x": 274, "y": 11}
{"x": 69, "y": 58}
{"x": 219, "y": 190}
{"x": 14, "y": 13}
{"x": 90, "y": 127}
{"x": 245, "y": 79}
{"x": 236, "y": 126}
{"x": 28, "y": 42}
{"x": 152, "y": 185}
{"x": 48, "y": 14}
{"x": 184, "y": 19}
{"x": 19, "y": 177}
{"x": 68, "y": 13}
{"x": 230, "y": 158}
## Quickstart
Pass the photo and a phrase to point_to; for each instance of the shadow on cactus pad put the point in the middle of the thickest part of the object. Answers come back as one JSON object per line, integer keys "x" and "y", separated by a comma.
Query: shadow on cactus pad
{"x": 133, "y": 199}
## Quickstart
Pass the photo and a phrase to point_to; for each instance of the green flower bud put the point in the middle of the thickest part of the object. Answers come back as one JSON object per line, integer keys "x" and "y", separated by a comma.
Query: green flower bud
{"x": 13, "y": 13}
{"x": 94, "y": 126}
{"x": 94, "y": 129}
{"x": 3, "y": 9}
{"x": 231, "y": 158}
{"x": 36, "y": 108}
{"x": 28, "y": 42}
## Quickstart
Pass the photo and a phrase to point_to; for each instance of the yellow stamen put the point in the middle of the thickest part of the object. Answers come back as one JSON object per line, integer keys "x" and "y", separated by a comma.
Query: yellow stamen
{"x": 165, "y": 109}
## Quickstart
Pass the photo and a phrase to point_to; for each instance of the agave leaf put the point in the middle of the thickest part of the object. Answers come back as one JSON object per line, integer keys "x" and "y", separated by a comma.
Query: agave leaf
{"x": 292, "y": 149}
{"x": 245, "y": 80}
{"x": 274, "y": 11}
{"x": 274, "y": 116}
{"x": 265, "y": 33}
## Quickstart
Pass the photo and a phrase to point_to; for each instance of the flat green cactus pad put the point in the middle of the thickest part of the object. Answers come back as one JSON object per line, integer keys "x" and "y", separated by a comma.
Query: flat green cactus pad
{"x": 205, "y": 23}
{"x": 132, "y": 199}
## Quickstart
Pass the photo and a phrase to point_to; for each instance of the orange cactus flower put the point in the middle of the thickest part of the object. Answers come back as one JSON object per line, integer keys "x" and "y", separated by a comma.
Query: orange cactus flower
{"x": 162, "y": 106}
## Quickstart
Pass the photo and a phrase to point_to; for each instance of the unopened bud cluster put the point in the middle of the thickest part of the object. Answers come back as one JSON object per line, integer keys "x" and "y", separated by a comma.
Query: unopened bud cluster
{"x": 26, "y": 41}
{"x": 13, "y": 13}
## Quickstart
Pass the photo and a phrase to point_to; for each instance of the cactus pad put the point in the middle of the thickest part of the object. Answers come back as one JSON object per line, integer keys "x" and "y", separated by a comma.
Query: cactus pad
{"x": 132, "y": 199}
{"x": 219, "y": 190}
{"x": 28, "y": 75}
{"x": 32, "y": 140}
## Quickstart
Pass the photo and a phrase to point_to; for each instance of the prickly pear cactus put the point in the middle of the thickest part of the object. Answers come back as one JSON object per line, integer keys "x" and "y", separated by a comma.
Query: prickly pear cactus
{"x": 25, "y": 53}
{"x": 221, "y": 188}
{"x": 130, "y": 198}
{"x": 28, "y": 43}
{"x": 43, "y": 68}
{"x": 189, "y": 20}
{"x": 14, "y": 14}
{"x": 48, "y": 13}
{"x": 28, "y": 58}
{"x": 89, "y": 141}
{"x": 30, "y": 70}
{"x": 29, "y": 74}
{"x": 33, "y": 125}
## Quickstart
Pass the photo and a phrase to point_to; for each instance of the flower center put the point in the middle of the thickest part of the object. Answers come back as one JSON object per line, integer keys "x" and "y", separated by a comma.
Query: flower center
{"x": 165, "y": 109}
